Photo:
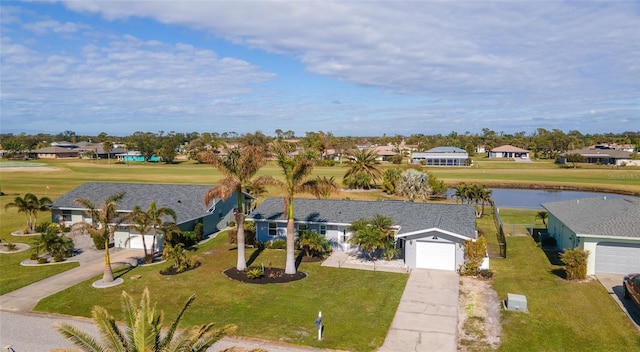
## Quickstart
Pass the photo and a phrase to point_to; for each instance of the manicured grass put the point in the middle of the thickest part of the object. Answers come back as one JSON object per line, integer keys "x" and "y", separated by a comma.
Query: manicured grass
{"x": 15, "y": 276}
{"x": 563, "y": 315}
{"x": 357, "y": 306}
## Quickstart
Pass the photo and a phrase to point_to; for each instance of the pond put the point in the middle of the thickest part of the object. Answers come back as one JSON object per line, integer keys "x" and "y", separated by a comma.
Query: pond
{"x": 20, "y": 164}
{"x": 531, "y": 198}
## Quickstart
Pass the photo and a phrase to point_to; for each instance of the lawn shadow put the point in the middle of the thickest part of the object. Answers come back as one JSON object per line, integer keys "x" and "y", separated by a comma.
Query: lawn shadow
{"x": 560, "y": 272}
{"x": 255, "y": 255}
{"x": 553, "y": 255}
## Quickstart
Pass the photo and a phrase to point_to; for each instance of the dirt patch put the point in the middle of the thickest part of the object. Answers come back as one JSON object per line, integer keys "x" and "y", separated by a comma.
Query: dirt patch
{"x": 479, "y": 326}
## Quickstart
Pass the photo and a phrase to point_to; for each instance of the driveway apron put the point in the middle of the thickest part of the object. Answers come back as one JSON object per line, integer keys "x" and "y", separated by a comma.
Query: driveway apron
{"x": 427, "y": 317}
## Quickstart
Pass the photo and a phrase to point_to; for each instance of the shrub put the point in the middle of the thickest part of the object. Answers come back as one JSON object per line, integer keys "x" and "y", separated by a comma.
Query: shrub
{"x": 10, "y": 246}
{"x": 43, "y": 260}
{"x": 255, "y": 273}
{"x": 42, "y": 228}
{"x": 326, "y": 162}
{"x": 277, "y": 244}
{"x": 575, "y": 261}
{"x": 231, "y": 223}
{"x": 199, "y": 231}
{"x": 313, "y": 244}
{"x": 33, "y": 256}
{"x": 485, "y": 273}
{"x": 186, "y": 238}
{"x": 58, "y": 257}
{"x": 474, "y": 253}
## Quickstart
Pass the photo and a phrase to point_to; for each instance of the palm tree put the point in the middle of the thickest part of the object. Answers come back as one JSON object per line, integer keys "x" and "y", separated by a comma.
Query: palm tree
{"x": 363, "y": 162}
{"x": 151, "y": 221}
{"x": 414, "y": 183}
{"x": 325, "y": 187}
{"x": 239, "y": 166}
{"x": 30, "y": 205}
{"x": 481, "y": 195}
{"x": 461, "y": 193}
{"x": 543, "y": 215}
{"x": 295, "y": 171}
{"x": 104, "y": 221}
{"x": 373, "y": 234}
{"x": 144, "y": 331}
{"x": 108, "y": 147}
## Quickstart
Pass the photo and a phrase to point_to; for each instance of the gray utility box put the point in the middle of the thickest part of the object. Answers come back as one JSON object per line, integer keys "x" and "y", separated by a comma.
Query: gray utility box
{"x": 516, "y": 302}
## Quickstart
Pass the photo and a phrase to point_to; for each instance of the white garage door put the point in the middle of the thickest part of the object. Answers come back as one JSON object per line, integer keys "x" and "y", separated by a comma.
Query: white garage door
{"x": 432, "y": 255}
{"x": 617, "y": 258}
{"x": 135, "y": 242}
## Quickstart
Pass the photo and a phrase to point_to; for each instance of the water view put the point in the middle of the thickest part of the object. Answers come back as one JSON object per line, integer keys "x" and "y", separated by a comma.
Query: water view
{"x": 531, "y": 198}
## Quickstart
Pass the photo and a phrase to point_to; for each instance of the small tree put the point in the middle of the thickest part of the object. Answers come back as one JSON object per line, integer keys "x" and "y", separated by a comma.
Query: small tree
{"x": 313, "y": 243}
{"x": 543, "y": 215}
{"x": 575, "y": 263}
{"x": 30, "y": 205}
{"x": 574, "y": 158}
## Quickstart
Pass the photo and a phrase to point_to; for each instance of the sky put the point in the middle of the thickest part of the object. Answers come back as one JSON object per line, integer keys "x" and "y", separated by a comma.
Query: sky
{"x": 356, "y": 68}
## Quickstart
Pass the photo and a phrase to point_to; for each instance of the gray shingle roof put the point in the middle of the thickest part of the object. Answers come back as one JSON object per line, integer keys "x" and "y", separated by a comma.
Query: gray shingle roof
{"x": 185, "y": 200}
{"x": 599, "y": 216}
{"x": 456, "y": 218}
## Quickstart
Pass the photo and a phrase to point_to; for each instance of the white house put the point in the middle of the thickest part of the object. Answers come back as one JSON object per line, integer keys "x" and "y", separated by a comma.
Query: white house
{"x": 429, "y": 235}
{"x": 608, "y": 228}
{"x": 441, "y": 156}
{"x": 508, "y": 151}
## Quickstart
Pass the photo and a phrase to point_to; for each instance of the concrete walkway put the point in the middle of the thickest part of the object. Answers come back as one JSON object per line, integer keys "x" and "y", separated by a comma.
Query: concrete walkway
{"x": 92, "y": 264}
{"x": 340, "y": 259}
{"x": 427, "y": 317}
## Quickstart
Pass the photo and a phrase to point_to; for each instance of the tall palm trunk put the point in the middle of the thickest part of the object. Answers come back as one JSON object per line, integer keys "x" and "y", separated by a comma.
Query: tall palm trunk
{"x": 242, "y": 263}
{"x": 144, "y": 248}
{"x": 107, "y": 276}
{"x": 290, "y": 267}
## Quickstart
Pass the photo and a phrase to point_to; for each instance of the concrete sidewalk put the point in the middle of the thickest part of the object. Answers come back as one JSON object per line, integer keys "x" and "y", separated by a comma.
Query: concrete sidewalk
{"x": 427, "y": 317}
{"x": 26, "y": 298}
{"x": 339, "y": 259}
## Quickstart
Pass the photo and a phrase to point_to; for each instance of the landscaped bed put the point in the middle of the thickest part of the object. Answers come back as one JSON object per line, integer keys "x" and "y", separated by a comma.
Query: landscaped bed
{"x": 357, "y": 306}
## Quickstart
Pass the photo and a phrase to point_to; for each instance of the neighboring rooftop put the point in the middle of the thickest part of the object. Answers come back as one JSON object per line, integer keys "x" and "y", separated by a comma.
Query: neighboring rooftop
{"x": 446, "y": 150}
{"x": 599, "y": 216}
{"x": 185, "y": 200}
{"x": 507, "y": 148}
{"x": 456, "y": 218}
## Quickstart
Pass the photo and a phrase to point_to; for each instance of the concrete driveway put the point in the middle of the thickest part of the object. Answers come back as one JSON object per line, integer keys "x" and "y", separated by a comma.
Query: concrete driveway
{"x": 427, "y": 317}
{"x": 613, "y": 284}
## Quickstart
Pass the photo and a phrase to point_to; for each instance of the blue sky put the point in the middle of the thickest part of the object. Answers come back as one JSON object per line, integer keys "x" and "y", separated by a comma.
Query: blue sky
{"x": 357, "y": 68}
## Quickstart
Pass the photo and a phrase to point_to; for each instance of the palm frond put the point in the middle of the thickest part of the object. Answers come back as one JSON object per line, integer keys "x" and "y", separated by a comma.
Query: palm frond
{"x": 80, "y": 338}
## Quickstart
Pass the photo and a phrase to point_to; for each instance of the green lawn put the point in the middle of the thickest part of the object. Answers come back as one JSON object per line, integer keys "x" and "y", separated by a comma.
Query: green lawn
{"x": 357, "y": 306}
{"x": 563, "y": 316}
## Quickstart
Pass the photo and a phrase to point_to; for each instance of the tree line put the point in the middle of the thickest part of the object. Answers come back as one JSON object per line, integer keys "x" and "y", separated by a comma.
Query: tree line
{"x": 544, "y": 144}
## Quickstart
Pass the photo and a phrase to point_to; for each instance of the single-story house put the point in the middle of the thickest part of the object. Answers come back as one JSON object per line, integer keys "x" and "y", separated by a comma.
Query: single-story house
{"x": 441, "y": 156}
{"x": 135, "y": 156}
{"x": 608, "y": 228}
{"x": 54, "y": 153}
{"x": 508, "y": 151}
{"x": 429, "y": 235}
{"x": 602, "y": 156}
{"x": 185, "y": 200}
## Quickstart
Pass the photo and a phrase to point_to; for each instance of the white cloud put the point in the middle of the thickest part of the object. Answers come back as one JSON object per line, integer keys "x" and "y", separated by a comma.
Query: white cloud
{"x": 499, "y": 62}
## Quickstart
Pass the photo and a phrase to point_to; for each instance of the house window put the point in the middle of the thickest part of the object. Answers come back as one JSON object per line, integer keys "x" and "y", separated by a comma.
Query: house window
{"x": 273, "y": 229}
{"x": 303, "y": 227}
{"x": 66, "y": 216}
{"x": 323, "y": 229}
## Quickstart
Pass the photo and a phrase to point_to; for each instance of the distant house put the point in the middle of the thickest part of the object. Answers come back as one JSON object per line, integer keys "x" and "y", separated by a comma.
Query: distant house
{"x": 441, "y": 156}
{"x": 602, "y": 156}
{"x": 429, "y": 235}
{"x": 607, "y": 228}
{"x": 135, "y": 156}
{"x": 185, "y": 200}
{"x": 385, "y": 152}
{"x": 481, "y": 149}
{"x": 509, "y": 151}
{"x": 54, "y": 153}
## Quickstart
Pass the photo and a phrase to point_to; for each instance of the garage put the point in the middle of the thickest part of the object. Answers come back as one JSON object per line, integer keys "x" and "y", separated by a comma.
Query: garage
{"x": 135, "y": 242}
{"x": 436, "y": 255}
{"x": 617, "y": 258}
